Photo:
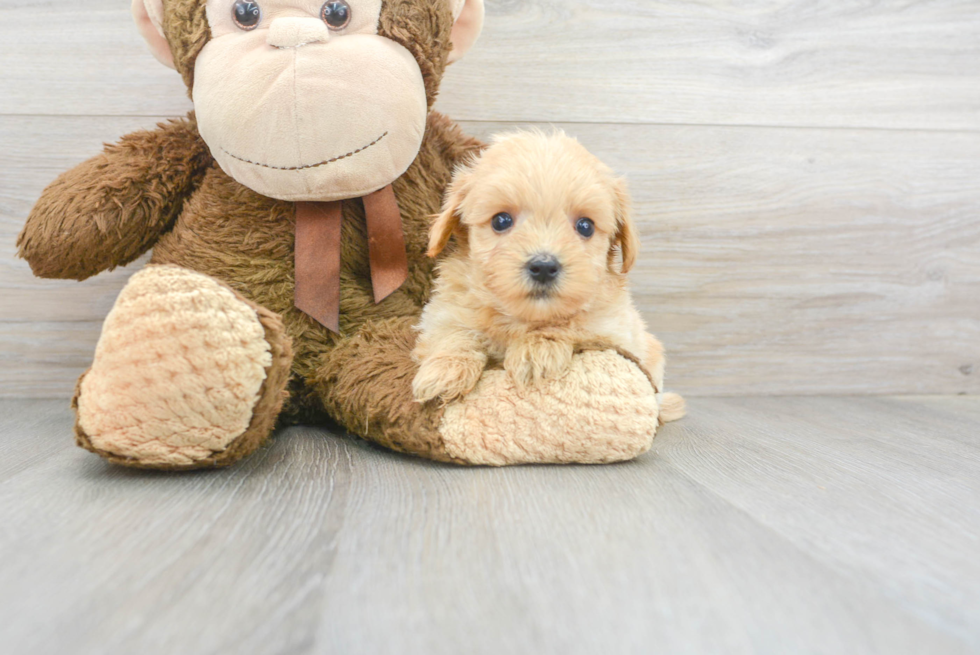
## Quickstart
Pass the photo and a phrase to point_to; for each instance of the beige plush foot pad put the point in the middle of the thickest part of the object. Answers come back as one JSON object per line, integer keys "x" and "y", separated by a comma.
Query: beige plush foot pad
{"x": 603, "y": 410}
{"x": 178, "y": 371}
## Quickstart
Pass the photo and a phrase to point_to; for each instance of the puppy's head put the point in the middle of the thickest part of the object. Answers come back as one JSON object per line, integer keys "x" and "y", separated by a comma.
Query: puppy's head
{"x": 543, "y": 220}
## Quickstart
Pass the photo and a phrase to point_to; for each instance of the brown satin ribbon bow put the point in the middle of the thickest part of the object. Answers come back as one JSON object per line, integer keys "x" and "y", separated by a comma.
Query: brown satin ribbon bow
{"x": 318, "y": 229}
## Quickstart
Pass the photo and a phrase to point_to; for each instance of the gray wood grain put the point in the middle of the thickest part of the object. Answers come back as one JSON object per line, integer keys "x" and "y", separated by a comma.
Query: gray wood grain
{"x": 909, "y": 64}
{"x": 766, "y": 525}
{"x": 775, "y": 261}
{"x": 43, "y": 360}
{"x": 156, "y": 548}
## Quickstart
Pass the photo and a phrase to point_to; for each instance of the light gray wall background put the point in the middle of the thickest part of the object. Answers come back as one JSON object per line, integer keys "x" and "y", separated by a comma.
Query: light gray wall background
{"x": 806, "y": 174}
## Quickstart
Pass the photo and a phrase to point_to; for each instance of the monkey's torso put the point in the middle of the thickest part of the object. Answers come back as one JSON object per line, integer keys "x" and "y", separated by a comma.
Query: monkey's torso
{"x": 247, "y": 241}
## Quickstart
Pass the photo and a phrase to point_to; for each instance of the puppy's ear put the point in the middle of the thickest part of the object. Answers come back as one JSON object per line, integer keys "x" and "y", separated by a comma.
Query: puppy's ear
{"x": 448, "y": 220}
{"x": 626, "y": 235}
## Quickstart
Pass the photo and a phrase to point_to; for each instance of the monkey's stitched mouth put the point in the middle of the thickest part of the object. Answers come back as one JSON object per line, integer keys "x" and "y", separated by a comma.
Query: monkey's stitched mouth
{"x": 304, "y": 168}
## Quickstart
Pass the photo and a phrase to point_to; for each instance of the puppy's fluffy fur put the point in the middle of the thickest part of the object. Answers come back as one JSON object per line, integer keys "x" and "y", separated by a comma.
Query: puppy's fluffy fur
{"x": 487, "y": 305}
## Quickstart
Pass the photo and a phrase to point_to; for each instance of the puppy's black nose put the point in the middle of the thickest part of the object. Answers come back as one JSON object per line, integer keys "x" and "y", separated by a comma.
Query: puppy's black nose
{"x": 544, "y": 269}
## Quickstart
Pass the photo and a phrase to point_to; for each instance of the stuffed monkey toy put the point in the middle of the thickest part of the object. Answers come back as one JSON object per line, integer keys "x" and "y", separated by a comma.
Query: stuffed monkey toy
{"x": 288, "y": 217}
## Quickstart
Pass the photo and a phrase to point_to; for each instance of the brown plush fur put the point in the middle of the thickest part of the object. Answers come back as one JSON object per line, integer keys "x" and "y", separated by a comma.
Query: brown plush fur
{"x": 366, "y": 383}
{"x": 424, "y": 29}
{"x": 186, "y": 26}
{"x": 161, "y": 189}
{"x": 111, "y": 209}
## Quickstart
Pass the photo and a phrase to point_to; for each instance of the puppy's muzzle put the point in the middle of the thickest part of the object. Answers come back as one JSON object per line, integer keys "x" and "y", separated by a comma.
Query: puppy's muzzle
{"x": 543, "y": 269}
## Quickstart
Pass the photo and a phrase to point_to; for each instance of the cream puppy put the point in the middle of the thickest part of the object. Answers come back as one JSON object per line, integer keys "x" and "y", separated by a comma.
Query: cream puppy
{"x": 544, "y": 240}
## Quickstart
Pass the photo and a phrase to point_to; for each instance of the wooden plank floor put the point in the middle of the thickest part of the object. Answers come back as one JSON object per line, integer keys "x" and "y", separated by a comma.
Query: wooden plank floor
{"x": 767, "y": 525}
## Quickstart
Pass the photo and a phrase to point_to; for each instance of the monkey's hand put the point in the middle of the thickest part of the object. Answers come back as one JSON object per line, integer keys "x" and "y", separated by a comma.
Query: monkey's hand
{"x": 537, "y": 358}
{"x": 111, "y": 209}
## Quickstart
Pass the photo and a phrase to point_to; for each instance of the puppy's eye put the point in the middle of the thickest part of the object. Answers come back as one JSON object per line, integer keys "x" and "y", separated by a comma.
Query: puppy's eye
{"x": 585, "y": 227}
{"x": 246, "y": 14}
{"x": 502, "y": 222}
{"x": 336, "y": 14}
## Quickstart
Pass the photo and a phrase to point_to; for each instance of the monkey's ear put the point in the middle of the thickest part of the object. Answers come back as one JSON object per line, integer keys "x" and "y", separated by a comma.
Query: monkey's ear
{"x": 626, "y": 236}
{"x": 148, "y": 15}
{"x": 467, "y": 28}
{"x": 448, "y": 220}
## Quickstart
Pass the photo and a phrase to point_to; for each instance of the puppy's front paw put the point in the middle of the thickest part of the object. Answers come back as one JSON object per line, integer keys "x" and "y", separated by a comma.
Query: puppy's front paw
{"x": 532, "y": 361}
{"x": 448, "y": 376}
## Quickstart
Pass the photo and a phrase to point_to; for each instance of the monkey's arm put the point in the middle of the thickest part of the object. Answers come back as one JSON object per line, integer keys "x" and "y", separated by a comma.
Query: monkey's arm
{"x": 111, "y": 209}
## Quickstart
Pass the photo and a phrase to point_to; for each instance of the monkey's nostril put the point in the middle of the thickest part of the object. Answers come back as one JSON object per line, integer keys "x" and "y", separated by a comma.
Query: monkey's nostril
{"x": 544, "y": 269}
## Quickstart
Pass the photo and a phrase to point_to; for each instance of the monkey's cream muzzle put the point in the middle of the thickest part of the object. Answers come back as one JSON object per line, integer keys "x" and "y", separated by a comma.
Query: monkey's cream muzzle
{"x": 297, "y": 108}
{"x": 295, "y": 113}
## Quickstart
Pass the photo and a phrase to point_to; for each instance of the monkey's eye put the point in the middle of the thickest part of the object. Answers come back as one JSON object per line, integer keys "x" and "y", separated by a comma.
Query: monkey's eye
{"x": 585, "y": 227}
{"x": 246, "y": 14}
{"x": 502, "y": 222}
{"x": 336, "y": 14}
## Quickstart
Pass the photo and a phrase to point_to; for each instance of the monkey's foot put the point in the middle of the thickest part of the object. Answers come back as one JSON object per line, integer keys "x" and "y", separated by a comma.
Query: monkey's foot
{"x": 604, "y": 409}
{"x": 187, "y": 374}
